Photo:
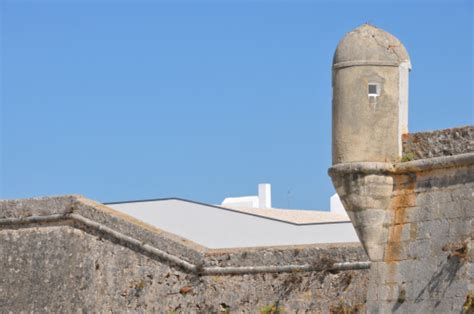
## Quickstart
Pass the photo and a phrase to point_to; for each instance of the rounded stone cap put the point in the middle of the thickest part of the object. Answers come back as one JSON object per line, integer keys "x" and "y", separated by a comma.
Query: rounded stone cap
{"x": 369, "y": 45}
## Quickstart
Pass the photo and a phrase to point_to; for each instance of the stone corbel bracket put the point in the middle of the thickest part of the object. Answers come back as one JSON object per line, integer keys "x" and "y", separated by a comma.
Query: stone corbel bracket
{"x": 371, "y": 194}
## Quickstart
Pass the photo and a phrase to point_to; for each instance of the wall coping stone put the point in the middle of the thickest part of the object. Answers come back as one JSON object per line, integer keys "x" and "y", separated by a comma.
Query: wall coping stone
{"x": 419, "y": 165}
{"x": 446, "y": 142}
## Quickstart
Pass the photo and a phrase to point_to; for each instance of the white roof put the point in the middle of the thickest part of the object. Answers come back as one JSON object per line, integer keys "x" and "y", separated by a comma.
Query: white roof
{"x": 219, "y": 227}
{"x": 297, "y": 216}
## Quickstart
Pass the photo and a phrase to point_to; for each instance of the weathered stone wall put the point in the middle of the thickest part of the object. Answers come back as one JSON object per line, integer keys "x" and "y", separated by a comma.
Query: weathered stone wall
{"x": 415, "y": 220}
{"x": 57, "y": 263}
{"x": 438, "y": 143}
{"x": 428, "y": 258}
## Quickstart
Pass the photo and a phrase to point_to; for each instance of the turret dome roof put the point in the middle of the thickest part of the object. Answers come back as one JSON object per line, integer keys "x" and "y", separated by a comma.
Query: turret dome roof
{"x": 370, "y": 45}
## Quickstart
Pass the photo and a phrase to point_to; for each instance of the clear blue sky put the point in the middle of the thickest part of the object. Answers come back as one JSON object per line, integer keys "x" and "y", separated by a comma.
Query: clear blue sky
{"x": 120, "y": 100}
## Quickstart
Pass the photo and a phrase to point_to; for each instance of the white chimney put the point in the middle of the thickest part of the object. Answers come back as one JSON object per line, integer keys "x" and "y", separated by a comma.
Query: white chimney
{"x": 264, "y": 195}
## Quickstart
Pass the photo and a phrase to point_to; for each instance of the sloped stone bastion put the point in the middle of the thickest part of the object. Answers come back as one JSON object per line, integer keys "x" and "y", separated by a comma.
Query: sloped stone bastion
{"x": 64, "y": 254}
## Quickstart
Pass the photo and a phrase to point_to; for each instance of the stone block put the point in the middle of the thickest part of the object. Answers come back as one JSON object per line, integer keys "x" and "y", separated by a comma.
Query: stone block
{"x": 396, "y": 251}
{"x": 364, "y": 202}
{"x": 414, "y": 214}
{"x": 425, "y": 269}
{"x": 457, "y": 289}
{"x": 369, "y": 217}
{"x": 413, "y": 231}
{"x": 431, "y": 198}
{"x": 443, "y": 305}
{"x": 390, "y": 273}
{"x": 379, "y": 189}
{"x": 466, "y": 206}
{"x": 37, "y": 206}
{"x": 433, "y": 228}
{"x": 401, "y": 273}
{"x": 453, "y": 210}
{"x": 375, "y": 251}
{"x": 398, "y": 233}
{"x": 462, "y": 192}
{"x": 373, "y": 290}
{"x": 389, "y": 292}
{"x": 459, "y": 229}
{"x": 375, "y": 273}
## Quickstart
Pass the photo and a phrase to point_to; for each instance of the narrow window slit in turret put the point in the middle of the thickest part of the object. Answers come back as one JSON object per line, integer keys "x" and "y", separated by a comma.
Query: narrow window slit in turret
{"x": 374, "y": 90}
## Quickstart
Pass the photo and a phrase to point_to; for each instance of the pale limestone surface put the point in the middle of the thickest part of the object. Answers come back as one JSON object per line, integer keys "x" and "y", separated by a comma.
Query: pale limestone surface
{"x": 369, "y": 43}
{"x": 369, "y": 128}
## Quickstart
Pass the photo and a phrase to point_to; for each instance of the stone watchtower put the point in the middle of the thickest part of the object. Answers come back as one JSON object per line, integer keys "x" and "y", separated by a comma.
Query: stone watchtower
{"x": 414, "y": 218}
{"x": 370, "y": 114}
{"x": 370, "y": 96}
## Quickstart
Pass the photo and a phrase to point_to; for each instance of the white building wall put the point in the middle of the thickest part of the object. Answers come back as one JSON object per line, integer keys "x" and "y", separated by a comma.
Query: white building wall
{"x": 243, "y": 202}
{"x": 336, "y": 206}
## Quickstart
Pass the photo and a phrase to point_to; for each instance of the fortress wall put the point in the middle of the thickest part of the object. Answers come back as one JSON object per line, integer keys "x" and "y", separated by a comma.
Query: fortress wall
{"x": 415, "y": 220}
{"x": 67, "y": 253}
{"x": 428, "y": 258}
{"x": 439, "y": 143}
{"x": 58, "y": 264}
